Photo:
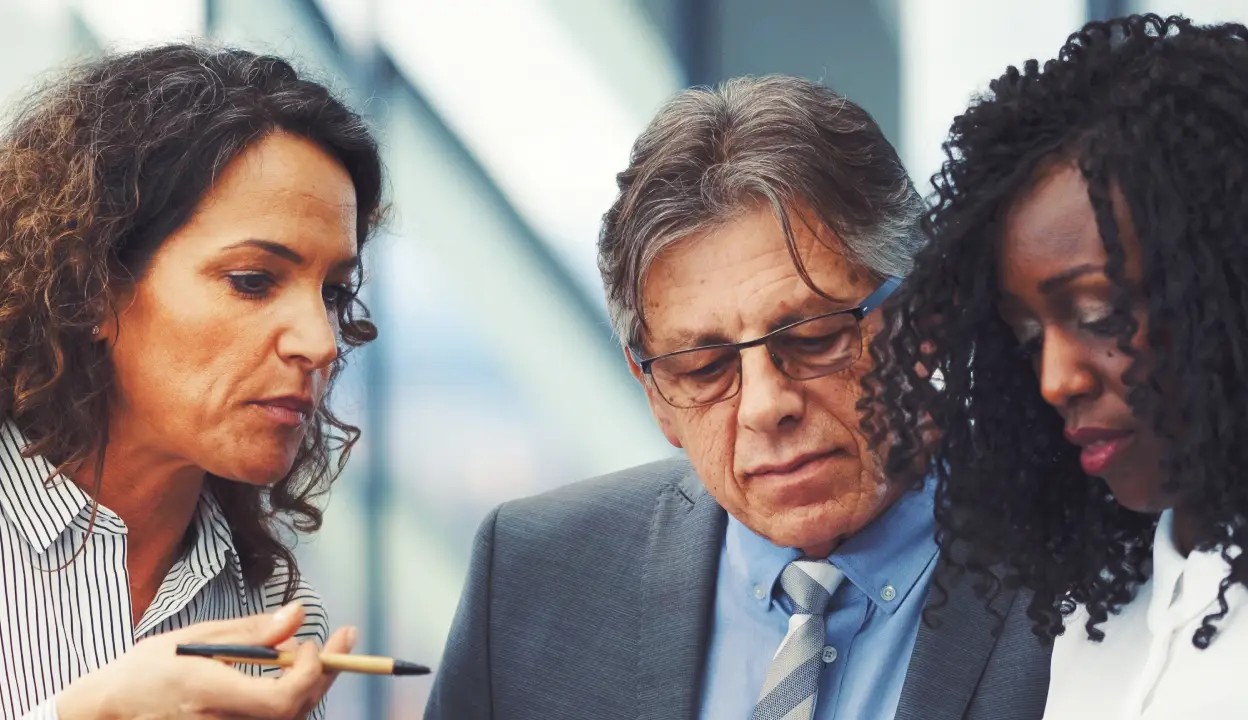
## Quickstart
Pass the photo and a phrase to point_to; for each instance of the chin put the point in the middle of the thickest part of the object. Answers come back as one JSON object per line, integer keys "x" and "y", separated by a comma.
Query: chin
{"x": 1134, "y": 496}
{"x": 259, "y": 470}
{"x": 810, "y": 526}
{"x": 1137, "y": 504}
{"x": 814, "y": 517}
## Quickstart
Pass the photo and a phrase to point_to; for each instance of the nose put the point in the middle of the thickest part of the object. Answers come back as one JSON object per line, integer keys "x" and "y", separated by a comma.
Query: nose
{"x": 1065, "y": 374}
{"x": 309, "y": 337}
{"x": 769, "y": 398}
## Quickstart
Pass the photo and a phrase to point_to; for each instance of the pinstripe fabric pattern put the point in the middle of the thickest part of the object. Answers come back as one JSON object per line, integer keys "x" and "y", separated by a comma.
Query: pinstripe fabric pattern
{"x": 56, "y": 625}
{"x": 792, "y": 682}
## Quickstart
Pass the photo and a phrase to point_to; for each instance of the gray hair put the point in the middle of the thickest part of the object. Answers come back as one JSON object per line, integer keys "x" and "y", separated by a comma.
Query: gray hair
{"x": 712, "y": 154}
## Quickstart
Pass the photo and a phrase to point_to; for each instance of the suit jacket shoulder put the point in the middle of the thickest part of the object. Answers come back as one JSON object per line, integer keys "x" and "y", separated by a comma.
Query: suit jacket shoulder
{"x": 559, "y": 599}
{"x": 583, "y": 511}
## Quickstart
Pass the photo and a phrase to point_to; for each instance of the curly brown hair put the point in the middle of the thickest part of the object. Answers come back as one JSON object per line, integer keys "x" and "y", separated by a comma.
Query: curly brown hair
{"x": 97, "y": 169}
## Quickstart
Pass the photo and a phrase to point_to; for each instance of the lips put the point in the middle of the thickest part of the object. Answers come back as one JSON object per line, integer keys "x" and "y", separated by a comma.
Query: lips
{"x": 1101, "y": 447}
{"x": 287, "y": 410}
{"x": 790, "y": 466}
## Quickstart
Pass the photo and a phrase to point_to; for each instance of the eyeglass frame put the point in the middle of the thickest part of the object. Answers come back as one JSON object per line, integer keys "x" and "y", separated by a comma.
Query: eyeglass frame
{"x": 872, "y": 301}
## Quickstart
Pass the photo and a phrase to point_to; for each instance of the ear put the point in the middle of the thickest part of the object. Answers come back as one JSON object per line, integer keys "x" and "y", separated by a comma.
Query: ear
{"x": 109, "y": 314}
{"x": 662, "y": 411}
{"x": 105, "y": 329}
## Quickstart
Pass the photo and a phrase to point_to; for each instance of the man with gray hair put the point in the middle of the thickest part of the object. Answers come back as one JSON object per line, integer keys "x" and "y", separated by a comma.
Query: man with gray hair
{"x": 771, "y": 572}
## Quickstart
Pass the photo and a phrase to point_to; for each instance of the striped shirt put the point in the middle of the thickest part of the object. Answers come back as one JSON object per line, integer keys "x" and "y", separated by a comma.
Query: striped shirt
{"x": 56, "y": 625}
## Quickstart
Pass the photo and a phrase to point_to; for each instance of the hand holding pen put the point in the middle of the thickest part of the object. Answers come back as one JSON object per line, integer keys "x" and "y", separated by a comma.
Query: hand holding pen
{"x": 332, "y": 662}
{"x": 151, "y": 678}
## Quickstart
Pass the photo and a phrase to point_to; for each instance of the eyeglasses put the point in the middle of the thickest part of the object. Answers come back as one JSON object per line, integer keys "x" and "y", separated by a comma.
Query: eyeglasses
{"x": 805, "y": 350}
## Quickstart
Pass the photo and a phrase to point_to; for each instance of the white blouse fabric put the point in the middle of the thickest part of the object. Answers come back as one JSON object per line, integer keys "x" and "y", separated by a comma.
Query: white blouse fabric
{"x": 59, "y": 624}
{"x": 1147, "y": 668}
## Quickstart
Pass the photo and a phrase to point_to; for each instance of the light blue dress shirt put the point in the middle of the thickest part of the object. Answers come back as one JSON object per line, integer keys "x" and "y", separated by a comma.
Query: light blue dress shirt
{"x": 872, "y": 620}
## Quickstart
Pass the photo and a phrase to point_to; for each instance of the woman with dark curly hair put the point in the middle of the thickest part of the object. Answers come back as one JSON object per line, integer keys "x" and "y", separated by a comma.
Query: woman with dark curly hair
{"x": 180, "y": 237}
{"x": 1084, "y": 298}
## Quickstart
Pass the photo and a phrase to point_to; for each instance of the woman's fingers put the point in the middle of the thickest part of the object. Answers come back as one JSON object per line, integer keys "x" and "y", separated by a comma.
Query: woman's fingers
{"x": 301, "y": 685}
{"x": 290, "y": 696}
{"x": 342, "y": 641}
{"x": 268, "y": 629}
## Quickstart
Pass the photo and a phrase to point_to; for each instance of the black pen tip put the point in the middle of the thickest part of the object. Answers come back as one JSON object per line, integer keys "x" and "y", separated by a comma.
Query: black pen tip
{"x": 403, "y": 667}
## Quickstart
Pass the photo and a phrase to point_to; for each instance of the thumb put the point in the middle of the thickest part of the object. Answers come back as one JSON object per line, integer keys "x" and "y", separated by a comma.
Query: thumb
{"x": 269, "y": 629}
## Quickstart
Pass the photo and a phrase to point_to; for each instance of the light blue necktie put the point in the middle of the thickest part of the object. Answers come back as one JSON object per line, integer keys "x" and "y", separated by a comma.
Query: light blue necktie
{"x": 792, "y": 683}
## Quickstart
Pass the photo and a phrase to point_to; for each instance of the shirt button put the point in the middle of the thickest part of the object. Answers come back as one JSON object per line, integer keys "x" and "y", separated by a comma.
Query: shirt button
{"x": 759, "y": 592}
{"x": 888, "y": 593}
{"x": 829, "y": 654}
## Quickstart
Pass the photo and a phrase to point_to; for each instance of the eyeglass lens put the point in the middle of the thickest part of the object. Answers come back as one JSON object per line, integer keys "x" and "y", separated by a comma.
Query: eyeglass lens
{"x": 820, "y": 346}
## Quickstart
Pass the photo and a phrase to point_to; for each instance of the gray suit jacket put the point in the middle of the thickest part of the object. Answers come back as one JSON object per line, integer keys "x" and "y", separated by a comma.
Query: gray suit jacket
{"x": 595, "y": 601}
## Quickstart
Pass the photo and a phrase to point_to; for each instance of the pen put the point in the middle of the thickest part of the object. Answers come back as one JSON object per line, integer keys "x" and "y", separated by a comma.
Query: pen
{"x": 334, "y": 662}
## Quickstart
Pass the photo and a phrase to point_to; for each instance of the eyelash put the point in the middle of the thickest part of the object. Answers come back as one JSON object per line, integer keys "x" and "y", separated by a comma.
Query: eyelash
{"x": 1109, "y": 326}
{"x": 237, "y": 283}
{"x": 336, "y": 296}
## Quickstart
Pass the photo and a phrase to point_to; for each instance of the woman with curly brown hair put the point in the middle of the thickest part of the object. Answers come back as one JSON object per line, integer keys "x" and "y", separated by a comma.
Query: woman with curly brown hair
{"x": 1085, "y": 297}
{"x": 180, "y": 237}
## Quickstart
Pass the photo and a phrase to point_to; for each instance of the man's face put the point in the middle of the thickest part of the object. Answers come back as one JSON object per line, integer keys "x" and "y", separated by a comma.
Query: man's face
{"x": 785, "y": 457}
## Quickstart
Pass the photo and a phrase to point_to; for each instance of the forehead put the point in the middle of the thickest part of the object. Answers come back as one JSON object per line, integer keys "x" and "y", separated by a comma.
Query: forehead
{"x": 739, "y": 277}
{"x": 1049, "y": 227}
{"x": 284, "y": 188}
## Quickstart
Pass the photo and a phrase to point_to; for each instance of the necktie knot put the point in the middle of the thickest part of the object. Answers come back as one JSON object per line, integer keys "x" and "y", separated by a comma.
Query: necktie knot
{"x": 809, "y": 584}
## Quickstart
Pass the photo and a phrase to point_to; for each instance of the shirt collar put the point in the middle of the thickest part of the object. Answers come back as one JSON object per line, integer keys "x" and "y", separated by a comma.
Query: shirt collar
{"x": 210, "y": 554}
{"x": 754, "y": 562}
{"x": 214, "y": 548}
{"x": 1200, "y": 573}
{"x": 42, "y": 506}
{"x": 884, "y": 560}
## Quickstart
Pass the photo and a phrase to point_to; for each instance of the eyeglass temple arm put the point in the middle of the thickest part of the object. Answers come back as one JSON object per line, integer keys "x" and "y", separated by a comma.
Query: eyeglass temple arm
{"x": 643, "y": 363}
{"x": 881, "y": 294}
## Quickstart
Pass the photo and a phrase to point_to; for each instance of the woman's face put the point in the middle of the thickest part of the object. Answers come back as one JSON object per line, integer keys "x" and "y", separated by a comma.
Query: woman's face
{"x": 1057, "y": 299}
{"x": 222, "y": 349}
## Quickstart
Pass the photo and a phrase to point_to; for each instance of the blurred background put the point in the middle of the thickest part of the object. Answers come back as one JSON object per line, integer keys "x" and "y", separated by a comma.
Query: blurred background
{"x": 504, "y": 123}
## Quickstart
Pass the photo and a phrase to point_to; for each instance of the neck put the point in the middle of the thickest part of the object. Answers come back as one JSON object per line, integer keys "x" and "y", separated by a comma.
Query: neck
{"x": 822, "y": 550}
{"x": 155, "y": 495}
{"x": 888, "y": 495}
{"x": 1184, "y": 531}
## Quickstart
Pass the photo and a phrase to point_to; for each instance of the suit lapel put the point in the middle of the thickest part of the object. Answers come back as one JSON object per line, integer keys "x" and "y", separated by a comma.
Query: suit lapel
{"x": 949, "y": 658}
{"x": 678, "y": 588}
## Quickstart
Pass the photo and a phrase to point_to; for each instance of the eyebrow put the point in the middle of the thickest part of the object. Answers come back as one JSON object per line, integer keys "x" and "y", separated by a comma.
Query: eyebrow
{"x": 287, "y": 254}
{"x": 1050, "y": 285}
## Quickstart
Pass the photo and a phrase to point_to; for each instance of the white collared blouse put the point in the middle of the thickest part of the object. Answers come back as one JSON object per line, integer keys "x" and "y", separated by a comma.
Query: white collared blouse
{"x": 1146, "y": 668}
{"x": 59, "y": 624}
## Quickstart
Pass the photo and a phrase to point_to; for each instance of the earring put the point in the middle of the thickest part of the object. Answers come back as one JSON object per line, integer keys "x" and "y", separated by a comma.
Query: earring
{"x": 95, "y": 331}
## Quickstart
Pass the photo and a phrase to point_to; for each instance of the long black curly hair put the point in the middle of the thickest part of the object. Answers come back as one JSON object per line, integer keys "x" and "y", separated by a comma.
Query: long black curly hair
{"x": 1158, "y": 109}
